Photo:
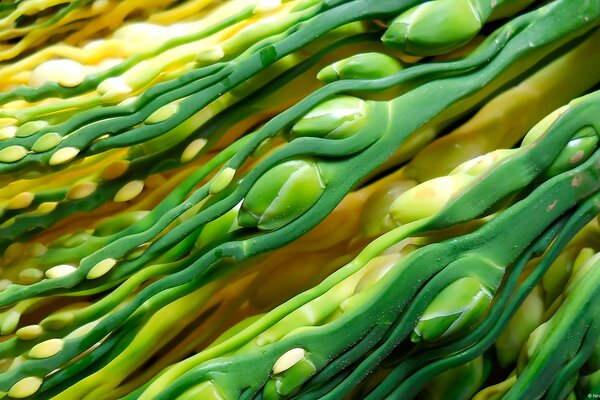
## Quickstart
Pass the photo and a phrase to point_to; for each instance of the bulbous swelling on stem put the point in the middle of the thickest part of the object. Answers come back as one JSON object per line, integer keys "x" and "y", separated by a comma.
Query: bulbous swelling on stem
{"x": 434, "y": 27}
{"x": 375, "y": 218}
{"x": 337, "y": 118}
{"x": 361, "y": 66}
{"x": 427, "y": 198}
{"x": 484, "y": 163}
{"x": 281, "y": 195}
{"x": 579, "y": 149}
{"x": 544, "y": 125}
{"x": 454, "y": 309}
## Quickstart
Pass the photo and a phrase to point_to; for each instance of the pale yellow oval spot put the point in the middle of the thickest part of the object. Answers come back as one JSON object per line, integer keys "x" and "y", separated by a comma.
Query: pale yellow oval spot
{"x": 288, "y": 360}
{"x": 31, "y": 127}
{"x": 114, "y": 170}
{"x": 29, "y": 332}
{"x": 12, "y": 153}
{"x": 101, "y": 268}
{"x": 47, "y": 207}
{"x": 129, "y": 191}
{"x": 192, "y": 150}
{"x": 29, "y": 276}
{"x": 99, "y": 5}
{"x": 263, "y": 6}
{"x": 22, "y": 200}
{"x": 210, "y": 54}
{"x": 162, "y": 114}
{"x": 82, "y": 190}
{"x": 63, "y": 155}
{"x": 10, "y": 322}
{"x": 46, "y": 349}
{"x": 222, "y": 180}
{"x": 4, "y": 283}
{"x": 66, "y": 73}
{"x": 14, "y": 250}
{"x": 8, "y": 132}
{"x": 59, "y": 271}
{"x": 114, "y": 89}
{"x": 154, "y": 181}
{"x": 47, "y": 142}
{"x": 36, "y": 250}
{"x": 25, "y": 387}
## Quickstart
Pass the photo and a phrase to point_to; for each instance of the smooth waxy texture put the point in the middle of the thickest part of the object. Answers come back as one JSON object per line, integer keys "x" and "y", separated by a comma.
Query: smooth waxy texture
{"x": 361, "y": 66}
{"x": 281, "y": 195}
{"x": 338, "y": 118}
{"x": 456, "y": 308}
{"x": 435, "y": 27}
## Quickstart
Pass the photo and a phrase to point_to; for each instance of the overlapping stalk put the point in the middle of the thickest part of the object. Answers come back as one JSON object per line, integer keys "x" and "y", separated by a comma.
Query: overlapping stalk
{"x": 277, "y": 199}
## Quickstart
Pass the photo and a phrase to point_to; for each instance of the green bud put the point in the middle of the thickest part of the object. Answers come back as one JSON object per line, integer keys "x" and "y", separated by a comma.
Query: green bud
{"x": 461, "y": 382}
{"x": 361, "y": 66}
{"x": 541, "y": 127}
{"x": 454, "y": 309}
{"x": 221, "y": 180}
{"x": 47, "y": 142}
{"x": 26, "y": 387}
{"x": 12, "y": 154}
{"x": 9, "y": 321}
{"x": 434, "y": 27}
{"x": 337, "y": 118}
{"x": 528, "y": 317}
{"x": 281, "y": 195}
{"x": 375, "y": 218}
{"x": 29, "y": 128}
{"x": 427, "y": 198}
{"x": 579, "y": 149}
{"x": 480, "y": 165}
